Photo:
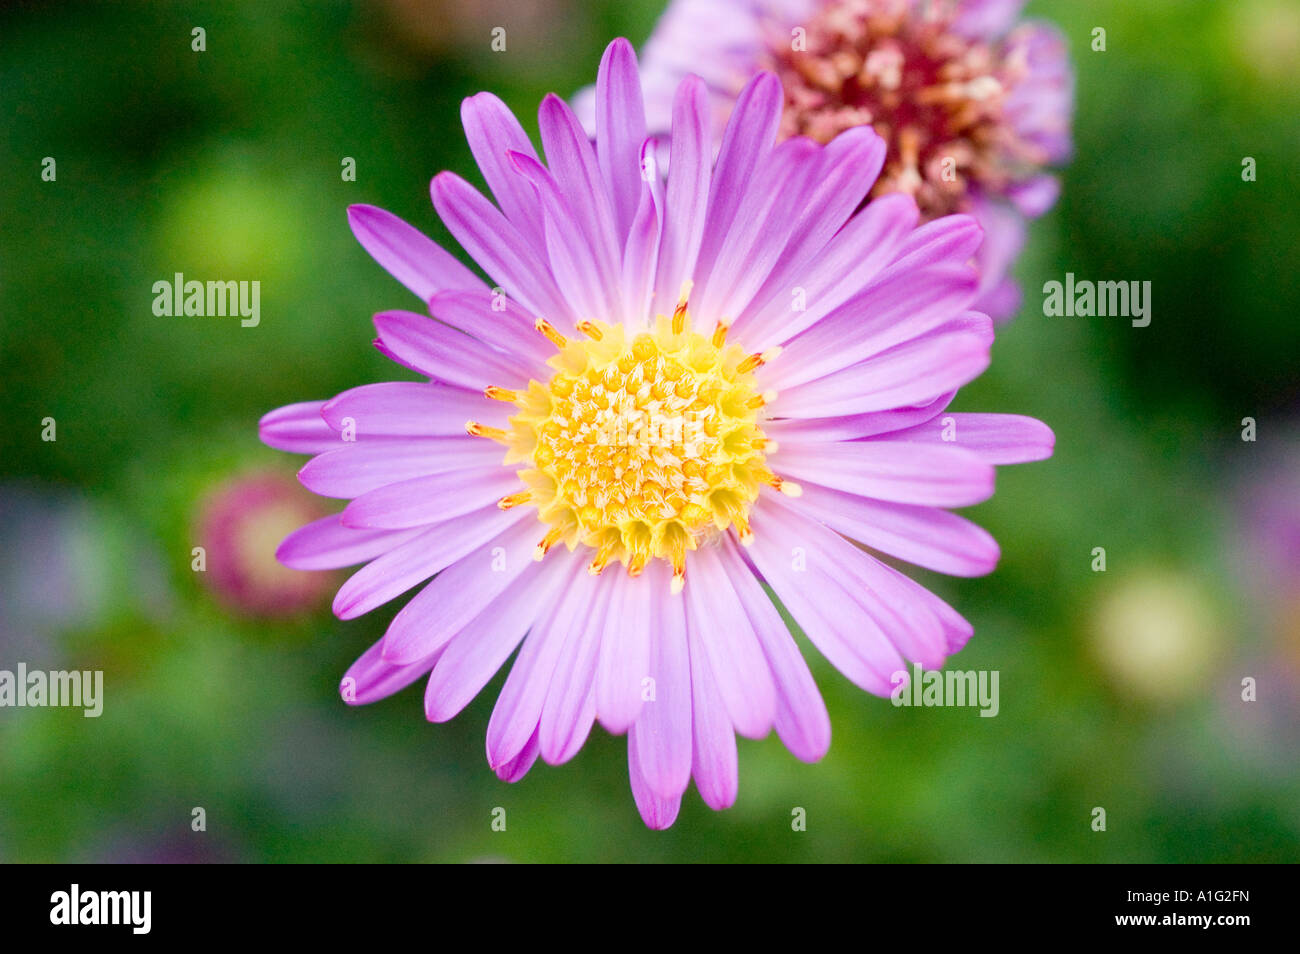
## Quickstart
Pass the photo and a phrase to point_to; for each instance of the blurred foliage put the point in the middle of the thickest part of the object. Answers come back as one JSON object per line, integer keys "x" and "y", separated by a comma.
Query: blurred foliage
{"x": 227, "y": 163}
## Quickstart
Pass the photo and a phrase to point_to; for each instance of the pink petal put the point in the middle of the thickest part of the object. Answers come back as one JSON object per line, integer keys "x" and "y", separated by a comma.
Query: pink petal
{"x": 641, "y": 254}
{"x": 1039, "y": 107}
{"x": 519, "y": 707}
{"x": 688, "y": 193}
{"x": 987, "y": 19}
{"x": 769, "y": 210}
{"x": 298, "y": 429}
{"x": 837, "y": 184}
{"x": 717, "y": 622}
{"x": 411, "y": 409}
{"x": 1034, "y": 197}
{"x": 476, "y": 653}
{"x": 936, "y": 476}
{"x": 1004, "y": 237}
{"x": 419, "y": 558}
{"x": 492, "y": 130}
{"x": 820, "y": 430}
{"x": 801, "y": 719}
{"x": 620, "y": 130}
{"x": 446, "y": 354}
{"x": 713, "y": 754}
{"x": 515, "y": 263}
{"x": 929, "y": 537}
{"x": 517, "y": 767}
{"x": 372, "y": 678}
{"x": 661, "y": 734}
{"x": 573, "y": 164}
{"x": 407, "y": 254}
{"x": 855, "y": 255}
{"x": 798, "y": 559}
{"x": 956, "y": 629}
{"x": 656, "y": 811}
{"x": 326, "y": 544}
{"x": 993, "y": 438}
{"x": 570, "y": 707}
{"x": 880, "y": 592}
{"x": 909, "y": 374}
{"x": 585, "y": 277}
{"x": 747, "y": 141}
{"x": 953, "y": 238}
{"x": 896, "y": 306}
{"x": 624, "y": 654}
{"x": 431, "y": 499}
{"x": 357, "y": 468}
{"x": 496, "y": 318}
{"x": 1000, "y": 302}
{"x": 459, "y": 593}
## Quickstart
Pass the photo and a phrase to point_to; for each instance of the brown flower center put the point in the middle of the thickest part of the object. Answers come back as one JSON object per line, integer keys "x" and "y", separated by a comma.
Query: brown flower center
{"x": 935, "y": 96}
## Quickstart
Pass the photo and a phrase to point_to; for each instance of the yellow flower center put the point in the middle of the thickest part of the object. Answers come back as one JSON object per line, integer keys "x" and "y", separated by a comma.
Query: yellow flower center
{"x": 639, "y": 446}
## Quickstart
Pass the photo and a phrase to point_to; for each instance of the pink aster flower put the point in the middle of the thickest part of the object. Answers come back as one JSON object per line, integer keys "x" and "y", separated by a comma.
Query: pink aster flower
{"x": 972, "y": 106}
{"x": 671, "y": 394}
{"x": 239, "y": 524}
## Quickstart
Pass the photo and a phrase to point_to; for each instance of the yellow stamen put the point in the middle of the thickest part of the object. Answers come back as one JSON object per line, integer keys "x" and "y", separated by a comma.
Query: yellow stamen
{"x": 501, "y": 394}
{"x": 475, "y": 429}
{"x": 597, "y": 566}
{"x": 636, "y": 565}
{"x": 514, "y": 500}
{"x": 548, "y": 329}
{"x": 758, "y": 360}
{"x": 590, "y": 329}
{"x": 787, "y": 487}
{"x": 552, "y": 537}
{"x": 679, "y": 578}
{"x": 679, "y": 313}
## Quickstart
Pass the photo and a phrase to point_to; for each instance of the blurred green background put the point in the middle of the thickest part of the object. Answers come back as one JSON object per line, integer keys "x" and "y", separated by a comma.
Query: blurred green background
{"x": 1119, "y": 689}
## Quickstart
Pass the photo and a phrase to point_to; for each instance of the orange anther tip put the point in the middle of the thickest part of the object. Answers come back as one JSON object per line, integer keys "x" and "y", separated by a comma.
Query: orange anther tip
{"x": 548, "y": 329}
